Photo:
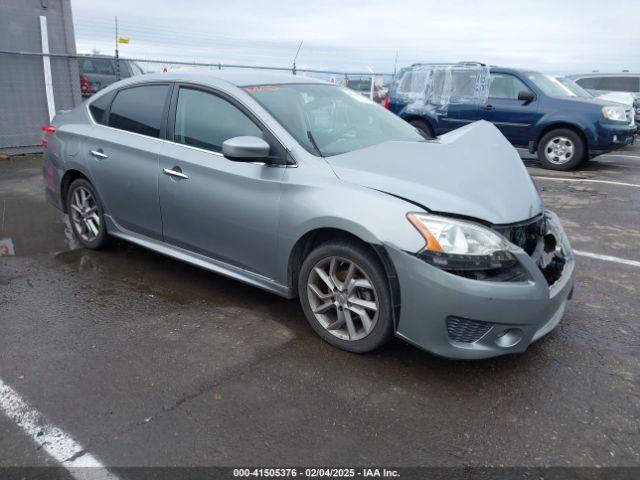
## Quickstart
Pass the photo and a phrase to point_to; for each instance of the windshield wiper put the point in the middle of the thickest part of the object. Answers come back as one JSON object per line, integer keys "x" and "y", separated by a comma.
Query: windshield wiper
{"x": 313, "y": 142}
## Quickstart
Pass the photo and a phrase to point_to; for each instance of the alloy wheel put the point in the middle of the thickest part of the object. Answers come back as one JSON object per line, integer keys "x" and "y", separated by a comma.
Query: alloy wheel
{"x": 343, "y": 298}
{"x": 84, "y": 214}
{"x": 559, "y": 150}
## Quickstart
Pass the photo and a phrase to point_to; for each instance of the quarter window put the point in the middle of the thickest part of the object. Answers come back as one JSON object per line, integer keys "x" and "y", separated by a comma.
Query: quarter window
{"x": 139, "y": 109}
{"x": 589, "y": 82}
{"x": 99, "y": 106}
{"x": 506, "y": 86}
{"x": 205, "y": 120}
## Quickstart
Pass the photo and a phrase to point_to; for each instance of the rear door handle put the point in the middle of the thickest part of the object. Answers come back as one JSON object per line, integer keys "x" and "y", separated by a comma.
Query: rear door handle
{"x": 99, "y": 154}
{"x": 488, "y": 107}
{"x": 174, "y": 173}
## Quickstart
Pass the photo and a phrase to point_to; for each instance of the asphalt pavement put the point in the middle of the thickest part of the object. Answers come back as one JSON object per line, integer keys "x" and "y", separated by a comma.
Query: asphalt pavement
{"x": 146, "y": 361}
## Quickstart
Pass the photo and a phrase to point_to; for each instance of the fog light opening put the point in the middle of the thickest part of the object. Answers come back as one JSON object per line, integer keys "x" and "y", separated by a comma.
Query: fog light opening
{"x": 509, "y": 337}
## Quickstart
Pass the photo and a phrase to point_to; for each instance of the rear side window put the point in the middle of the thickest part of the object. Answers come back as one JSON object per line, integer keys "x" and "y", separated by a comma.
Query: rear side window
{"x": 99, "y": 66}
{"x": 139, "y": 109}
{"x": 619, "y": 84}
{"x": 506, "y": 86}
{"x": 99, "y": 106}
{"x": 205, "y": 120}
{"x": 413, "y": 82}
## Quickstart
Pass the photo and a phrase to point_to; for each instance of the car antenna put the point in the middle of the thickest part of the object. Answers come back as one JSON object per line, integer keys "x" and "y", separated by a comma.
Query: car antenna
{"x": 293, "y": 69}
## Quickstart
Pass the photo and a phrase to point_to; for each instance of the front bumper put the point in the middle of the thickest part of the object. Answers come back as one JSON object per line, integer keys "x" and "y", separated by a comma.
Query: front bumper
{"x": 515, "y": 313}
{"x": 612, "y": 138}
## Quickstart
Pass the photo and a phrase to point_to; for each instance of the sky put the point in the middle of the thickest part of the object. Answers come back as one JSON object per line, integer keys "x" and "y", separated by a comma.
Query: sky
{"x": 560, "y": 37}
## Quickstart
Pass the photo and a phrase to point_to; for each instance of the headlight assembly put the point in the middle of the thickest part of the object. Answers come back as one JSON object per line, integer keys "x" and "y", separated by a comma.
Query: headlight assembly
{"x": 615, "y": 113}
{"x": 453, "y": 244}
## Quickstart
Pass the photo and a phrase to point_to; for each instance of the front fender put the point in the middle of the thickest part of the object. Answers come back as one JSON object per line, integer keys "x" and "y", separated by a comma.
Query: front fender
{"x": 373, "y": 216}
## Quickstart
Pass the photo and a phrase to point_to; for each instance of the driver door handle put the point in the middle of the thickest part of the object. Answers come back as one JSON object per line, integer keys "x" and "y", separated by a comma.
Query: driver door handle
{"x": 488, "y": 107}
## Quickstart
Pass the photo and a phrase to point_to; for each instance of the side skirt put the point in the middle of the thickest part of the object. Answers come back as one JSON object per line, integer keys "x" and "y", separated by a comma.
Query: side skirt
{"x": 198, "y": 260}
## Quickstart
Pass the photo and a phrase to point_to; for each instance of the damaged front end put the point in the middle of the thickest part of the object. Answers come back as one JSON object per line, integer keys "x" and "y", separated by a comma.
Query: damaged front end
{"x": 542, "y": 239}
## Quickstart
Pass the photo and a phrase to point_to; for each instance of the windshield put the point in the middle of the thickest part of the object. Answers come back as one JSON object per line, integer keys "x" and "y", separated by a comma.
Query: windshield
{"x": 328, "y": 120}
{"x": 576, "y": 89}
{"x": 550, "y": 85}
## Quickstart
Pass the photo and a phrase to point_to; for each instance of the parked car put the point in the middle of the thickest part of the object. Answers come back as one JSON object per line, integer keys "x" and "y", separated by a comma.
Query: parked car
{"x": 363, "y": 86}
{"x": 602, "y": 83}
{"x": 309, "y": 190}
{"x": 620, "y": 97}
{"x": 533, "y": 111}
{"x": 97, "y": 72}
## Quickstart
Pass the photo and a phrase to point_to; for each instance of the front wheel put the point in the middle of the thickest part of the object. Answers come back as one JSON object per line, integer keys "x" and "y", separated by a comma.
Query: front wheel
{"x": 344, "y": 293}
{"x": 561, "y": 149}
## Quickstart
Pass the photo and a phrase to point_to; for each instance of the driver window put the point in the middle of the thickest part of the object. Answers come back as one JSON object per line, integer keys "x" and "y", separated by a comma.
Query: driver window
{"x": 506, "y": 86}
{"x": 205, "y": 120}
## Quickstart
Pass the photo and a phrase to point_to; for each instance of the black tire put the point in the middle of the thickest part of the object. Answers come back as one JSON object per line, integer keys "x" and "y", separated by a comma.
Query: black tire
{"x": 368, "y": 263}
{"x": 545, "y": 150}
{"x": 102, "y": 239}
{"x": 424, "y": 128}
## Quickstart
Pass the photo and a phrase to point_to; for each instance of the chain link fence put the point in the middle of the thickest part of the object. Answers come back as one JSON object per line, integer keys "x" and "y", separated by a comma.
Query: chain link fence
{"x": 23, "y": 86}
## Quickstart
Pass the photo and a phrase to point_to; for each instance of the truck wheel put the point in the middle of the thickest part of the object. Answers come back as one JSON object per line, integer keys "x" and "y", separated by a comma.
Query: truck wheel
{"x": 424, "y": 128}
{"x": 561, "y": 149}
{"x": 345, "y": 296}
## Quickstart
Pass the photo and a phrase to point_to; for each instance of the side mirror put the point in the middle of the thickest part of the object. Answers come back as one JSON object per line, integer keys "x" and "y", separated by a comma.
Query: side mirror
{"x": 245, "y": 149}
{"x": 526, "y": 96}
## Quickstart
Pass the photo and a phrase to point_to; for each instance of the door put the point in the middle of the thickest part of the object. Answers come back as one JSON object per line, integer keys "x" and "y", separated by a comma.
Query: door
{"x": 211, "y": 205}
{"x": 123, "y": 159}
{"x": 456, "y": 91}
{"x": 514, "y": 118}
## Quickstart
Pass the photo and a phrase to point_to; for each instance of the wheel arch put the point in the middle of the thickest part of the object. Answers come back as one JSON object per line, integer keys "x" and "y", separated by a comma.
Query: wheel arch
{"x": 410, "y": 117}
{"x": 577, "y": 129}
{"x": 313, "y": 238}
{"x": 69, "y": 176}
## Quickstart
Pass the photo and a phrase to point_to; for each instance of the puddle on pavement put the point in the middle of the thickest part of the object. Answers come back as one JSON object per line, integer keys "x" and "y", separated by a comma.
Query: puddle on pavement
{"x": 31, "y": 227}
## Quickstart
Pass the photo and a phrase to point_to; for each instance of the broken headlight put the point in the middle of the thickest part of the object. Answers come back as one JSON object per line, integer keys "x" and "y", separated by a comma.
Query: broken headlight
{"x": 453, "y": 244}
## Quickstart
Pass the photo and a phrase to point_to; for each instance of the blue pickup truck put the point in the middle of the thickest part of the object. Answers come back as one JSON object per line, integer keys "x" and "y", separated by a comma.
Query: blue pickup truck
{"x": 532, "y": 110}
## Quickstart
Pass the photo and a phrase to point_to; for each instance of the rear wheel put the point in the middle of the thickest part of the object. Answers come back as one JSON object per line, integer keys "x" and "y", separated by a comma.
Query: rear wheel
{"x": 561, "y": 149}
{"x": 344, "y": 294}
{"x": 424, "y": 128}
{"x": 86, "y": 215}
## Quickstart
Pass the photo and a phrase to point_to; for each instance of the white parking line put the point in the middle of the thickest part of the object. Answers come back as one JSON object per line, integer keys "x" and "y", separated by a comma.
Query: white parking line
{"x": 69, "y": 453}
{"x": 608, "y": 258}
{"x": 620, "y": 155}
{"x": 588, "y": 180}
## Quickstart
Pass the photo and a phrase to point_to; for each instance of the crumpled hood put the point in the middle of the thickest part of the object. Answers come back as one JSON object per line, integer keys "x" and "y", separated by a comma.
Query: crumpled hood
{"x": 473, "y": 171}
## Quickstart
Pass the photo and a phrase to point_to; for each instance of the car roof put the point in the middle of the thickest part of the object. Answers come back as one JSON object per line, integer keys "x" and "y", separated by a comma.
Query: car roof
{"x": 598, "y": 74}
{"x": 238, "y": 78}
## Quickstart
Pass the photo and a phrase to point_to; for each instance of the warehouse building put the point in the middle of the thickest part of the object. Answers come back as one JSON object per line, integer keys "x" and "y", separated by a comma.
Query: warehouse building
{"x": 33, "y": 86}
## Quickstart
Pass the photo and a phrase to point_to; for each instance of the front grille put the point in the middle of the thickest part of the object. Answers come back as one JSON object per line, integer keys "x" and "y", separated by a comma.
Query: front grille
{"x": 466, "y": 331}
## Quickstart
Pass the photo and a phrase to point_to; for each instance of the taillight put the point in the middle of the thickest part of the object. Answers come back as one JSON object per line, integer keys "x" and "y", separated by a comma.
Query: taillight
{"x": 47, "y": 130}
{"x": 85, "y": 85}
{"x": 386, "y": 102}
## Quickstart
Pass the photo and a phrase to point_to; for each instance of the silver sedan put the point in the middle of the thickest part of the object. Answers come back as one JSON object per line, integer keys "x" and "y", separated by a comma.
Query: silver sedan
{"x": 309, "y": 190}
